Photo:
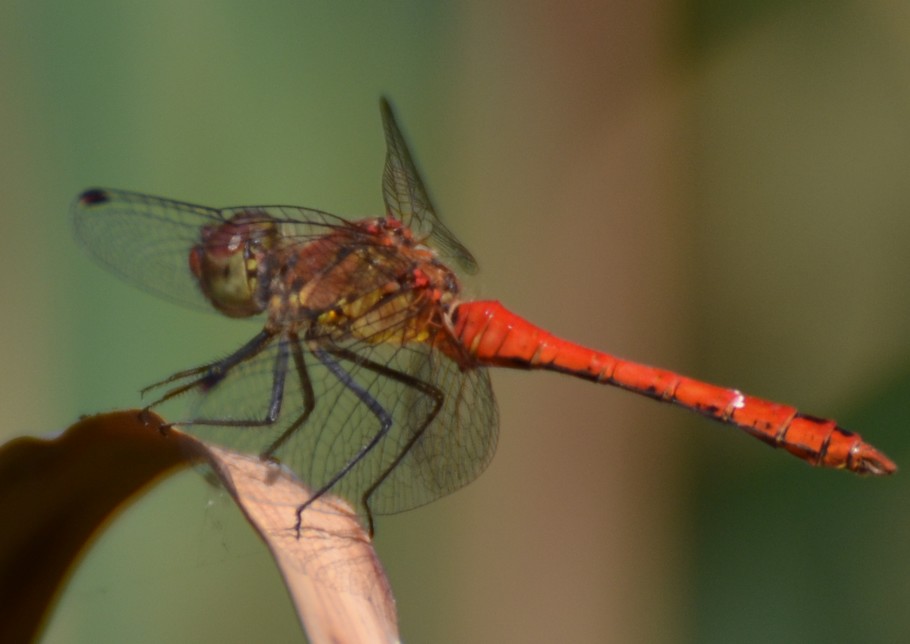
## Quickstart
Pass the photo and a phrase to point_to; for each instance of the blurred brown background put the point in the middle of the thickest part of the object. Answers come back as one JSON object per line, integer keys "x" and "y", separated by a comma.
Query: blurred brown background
{"x": 714, "y": 187}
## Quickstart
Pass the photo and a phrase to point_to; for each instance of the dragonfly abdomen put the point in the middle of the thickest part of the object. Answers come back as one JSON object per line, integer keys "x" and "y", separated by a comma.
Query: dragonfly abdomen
{"x": 494, "y": 336}
{"x": 818, "y": 441}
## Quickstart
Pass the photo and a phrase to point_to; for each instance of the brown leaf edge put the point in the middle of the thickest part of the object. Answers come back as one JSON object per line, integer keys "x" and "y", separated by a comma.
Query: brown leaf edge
{"x": 57, "y": 494}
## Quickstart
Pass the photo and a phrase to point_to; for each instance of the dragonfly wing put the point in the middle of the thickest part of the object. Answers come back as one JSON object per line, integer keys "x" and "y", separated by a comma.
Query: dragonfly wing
{"x": 406, "y": 197}
{"x": 422, "y": 457}
{"x": 456, "y": 446}
{"x": 439, "y": 457}
{"x": 147, "y": 240}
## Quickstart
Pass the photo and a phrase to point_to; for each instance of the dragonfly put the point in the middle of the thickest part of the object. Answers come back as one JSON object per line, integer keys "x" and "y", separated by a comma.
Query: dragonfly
{"x": 369, "y": 376}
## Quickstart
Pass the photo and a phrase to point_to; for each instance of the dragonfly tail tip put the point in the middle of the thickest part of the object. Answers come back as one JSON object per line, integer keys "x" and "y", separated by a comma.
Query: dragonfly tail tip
{"x": 868, "y": 460}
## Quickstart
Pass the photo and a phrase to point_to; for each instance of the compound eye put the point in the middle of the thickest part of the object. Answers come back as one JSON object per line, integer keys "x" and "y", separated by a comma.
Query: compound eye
{"x": 228, "y": 263}
{"x": 226, "y": 282}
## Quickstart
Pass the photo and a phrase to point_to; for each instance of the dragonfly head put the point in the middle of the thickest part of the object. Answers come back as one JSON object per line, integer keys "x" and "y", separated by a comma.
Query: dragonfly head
{"x": 231, "y": 263}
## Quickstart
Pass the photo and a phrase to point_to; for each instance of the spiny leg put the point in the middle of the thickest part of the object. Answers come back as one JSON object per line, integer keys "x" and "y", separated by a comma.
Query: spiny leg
{"x": 309, "y": 398}
{"x": 379, "y": 411}
{"x": 212, "y": 374}
{"x": 425, "y": 388}
{"x": 385, "y": 424}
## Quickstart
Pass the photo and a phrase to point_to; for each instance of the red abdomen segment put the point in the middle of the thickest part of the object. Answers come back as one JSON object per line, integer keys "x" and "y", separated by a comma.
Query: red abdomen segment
{"x": 496, "y": 337}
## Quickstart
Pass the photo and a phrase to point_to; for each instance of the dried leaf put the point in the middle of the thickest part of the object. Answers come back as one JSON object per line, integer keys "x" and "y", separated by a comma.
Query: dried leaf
{"x": 56, "y": 495}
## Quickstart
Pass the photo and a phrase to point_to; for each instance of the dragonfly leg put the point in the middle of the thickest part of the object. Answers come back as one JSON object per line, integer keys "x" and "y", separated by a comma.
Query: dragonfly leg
{"x": 427, "y": 389}
{"x": 208, "y": 376}
{"x": 309, "y": 399}
{"x": 212, "y": 373}
{"x": 385, "y": 424}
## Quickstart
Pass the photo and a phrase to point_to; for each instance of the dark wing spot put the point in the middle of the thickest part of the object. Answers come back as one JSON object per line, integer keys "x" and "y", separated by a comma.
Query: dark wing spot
{"x": 94, "y": 197}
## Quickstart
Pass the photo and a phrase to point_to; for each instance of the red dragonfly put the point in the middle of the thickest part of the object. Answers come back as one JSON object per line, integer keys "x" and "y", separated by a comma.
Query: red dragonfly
{"x": 368, "y": 376}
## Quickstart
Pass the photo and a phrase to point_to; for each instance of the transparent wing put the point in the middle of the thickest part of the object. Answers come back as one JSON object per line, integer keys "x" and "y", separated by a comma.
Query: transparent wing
{"x": 147, "y": 240}
{"x": 406, "y": 197}
{"x": 455, "y": 447}
{"x": 442, "y": 455}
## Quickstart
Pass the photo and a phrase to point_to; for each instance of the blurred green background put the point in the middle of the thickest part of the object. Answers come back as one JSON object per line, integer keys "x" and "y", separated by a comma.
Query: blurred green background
{"x": 716, "y": 187}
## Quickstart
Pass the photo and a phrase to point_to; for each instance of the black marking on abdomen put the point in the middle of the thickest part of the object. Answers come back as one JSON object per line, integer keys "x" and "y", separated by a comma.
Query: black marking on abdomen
{"x": 824, "y": 421}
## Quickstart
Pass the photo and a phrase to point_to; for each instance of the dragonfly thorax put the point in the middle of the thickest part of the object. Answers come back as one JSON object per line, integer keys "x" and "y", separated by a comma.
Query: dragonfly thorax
{"x": 231, "y": 263}
{"x": 369, "y": 280}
